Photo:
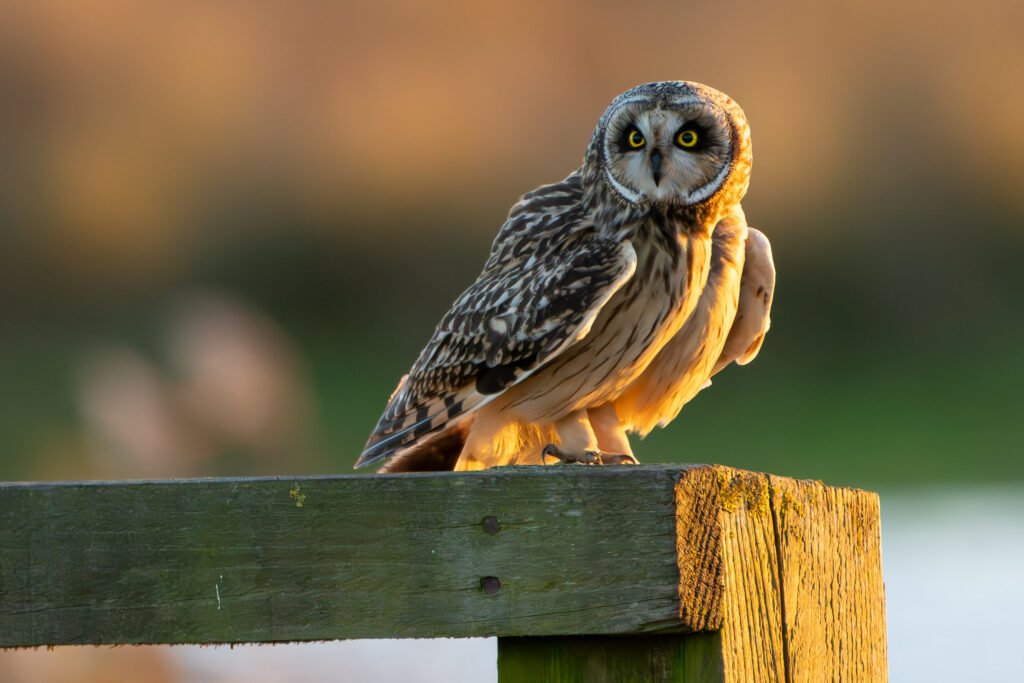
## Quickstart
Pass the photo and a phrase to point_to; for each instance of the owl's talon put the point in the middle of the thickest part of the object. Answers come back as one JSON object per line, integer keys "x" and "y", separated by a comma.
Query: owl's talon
{"x": 618, "y": 459}
{"x": 585, "y": 457}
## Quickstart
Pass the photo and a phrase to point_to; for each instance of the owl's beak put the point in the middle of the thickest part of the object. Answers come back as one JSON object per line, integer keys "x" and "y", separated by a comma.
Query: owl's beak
{"x": 656, "y": 166}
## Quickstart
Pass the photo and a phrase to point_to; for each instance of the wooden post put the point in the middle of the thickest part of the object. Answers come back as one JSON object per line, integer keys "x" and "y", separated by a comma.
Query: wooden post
{"x": 803, "y": 598}
{"x": 649, "y": 573}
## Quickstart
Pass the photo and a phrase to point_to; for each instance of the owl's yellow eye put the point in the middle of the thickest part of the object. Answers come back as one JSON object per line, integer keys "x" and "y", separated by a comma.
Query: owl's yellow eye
{"x": 635, "y": 139}
{"x": 687, "y": 138}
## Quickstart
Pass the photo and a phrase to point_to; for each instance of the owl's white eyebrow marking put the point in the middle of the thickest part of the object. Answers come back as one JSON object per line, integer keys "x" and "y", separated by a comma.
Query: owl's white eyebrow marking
{"x": 627, "y": 193}
{"x": 709, "y": 188}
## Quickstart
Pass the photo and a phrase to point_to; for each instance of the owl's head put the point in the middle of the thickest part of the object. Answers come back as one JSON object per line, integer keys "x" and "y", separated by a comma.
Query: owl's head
{"x": 670, "y": 145}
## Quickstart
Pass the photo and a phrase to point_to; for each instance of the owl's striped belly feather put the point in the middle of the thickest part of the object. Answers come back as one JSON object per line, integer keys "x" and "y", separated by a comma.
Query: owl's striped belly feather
{"x": 684, "y": 364}
{"x": 624, "y": 339}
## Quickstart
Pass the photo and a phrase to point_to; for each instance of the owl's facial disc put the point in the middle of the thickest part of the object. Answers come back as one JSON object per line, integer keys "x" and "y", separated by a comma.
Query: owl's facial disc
{"x": 677, "y": 153}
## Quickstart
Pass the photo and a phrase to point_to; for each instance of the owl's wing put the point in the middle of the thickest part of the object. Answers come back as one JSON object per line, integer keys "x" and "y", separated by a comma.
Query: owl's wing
{"x": 753, "y": 316}
{"x": 548, "y": 275}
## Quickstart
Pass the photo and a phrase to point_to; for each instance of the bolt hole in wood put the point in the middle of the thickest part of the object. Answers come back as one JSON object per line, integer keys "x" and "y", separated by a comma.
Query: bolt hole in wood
{"x": 490, "y": 584}
{"x": 491, "y": 524}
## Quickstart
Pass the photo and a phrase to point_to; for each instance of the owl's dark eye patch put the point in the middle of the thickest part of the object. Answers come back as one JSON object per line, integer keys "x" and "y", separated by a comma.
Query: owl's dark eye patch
{"x": 692, "y": 137}
{"x": 631, "y": 139}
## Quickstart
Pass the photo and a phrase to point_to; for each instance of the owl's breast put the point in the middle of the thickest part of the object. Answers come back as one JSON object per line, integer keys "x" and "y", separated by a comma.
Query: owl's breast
{"x": 683, "y": 365}
{"x": 664, "y": 295}
{"x": 638, "y": 320}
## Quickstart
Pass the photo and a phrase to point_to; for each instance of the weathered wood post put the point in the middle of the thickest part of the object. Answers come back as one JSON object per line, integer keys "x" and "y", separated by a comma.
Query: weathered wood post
{"x": 649, "y": 573}
{"x": 785, "y": 575}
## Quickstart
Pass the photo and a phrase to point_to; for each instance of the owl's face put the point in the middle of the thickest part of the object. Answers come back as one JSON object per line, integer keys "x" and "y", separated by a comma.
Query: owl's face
{"x": 673, "y": 144}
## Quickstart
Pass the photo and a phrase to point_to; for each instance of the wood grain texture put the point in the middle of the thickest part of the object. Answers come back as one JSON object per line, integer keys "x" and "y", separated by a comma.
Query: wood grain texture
{"x": 829, "y": 545}
{"x": 803, "y": 593}
{"x": 698, "y": 547}
{"x": 752, "y": 638}
{"x": 577, "y": 550}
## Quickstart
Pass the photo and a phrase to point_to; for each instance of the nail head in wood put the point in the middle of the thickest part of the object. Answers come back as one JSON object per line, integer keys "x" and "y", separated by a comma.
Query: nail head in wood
{"x": 491, "y": 524}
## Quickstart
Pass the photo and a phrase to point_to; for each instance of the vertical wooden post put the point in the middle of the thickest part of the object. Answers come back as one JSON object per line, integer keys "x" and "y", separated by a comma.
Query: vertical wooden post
{"x": 830, "y": 561}
{"x": 610, "y": 659}
{"x": 802, "y": 596}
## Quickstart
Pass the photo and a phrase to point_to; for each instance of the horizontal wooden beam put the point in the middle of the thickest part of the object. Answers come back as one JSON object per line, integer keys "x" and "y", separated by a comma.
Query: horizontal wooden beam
{"x": 782, "y": 577}
{"x": 510, "y": 552}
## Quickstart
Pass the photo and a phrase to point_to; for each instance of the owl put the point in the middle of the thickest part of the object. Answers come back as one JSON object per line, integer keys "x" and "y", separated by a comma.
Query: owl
{"x": 607, "y": 301}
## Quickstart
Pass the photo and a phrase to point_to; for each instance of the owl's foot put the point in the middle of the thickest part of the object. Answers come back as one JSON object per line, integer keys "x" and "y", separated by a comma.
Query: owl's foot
{"x": 585, "y": 457}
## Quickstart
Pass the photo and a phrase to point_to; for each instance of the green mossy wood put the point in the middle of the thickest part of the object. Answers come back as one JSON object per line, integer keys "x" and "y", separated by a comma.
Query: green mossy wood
{"x": 575, "y": 550}
{"x": 783, "y": 577}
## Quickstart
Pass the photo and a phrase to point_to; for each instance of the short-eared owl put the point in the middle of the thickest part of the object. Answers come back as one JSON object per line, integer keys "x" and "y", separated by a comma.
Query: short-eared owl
{"x": 607, "y": 302}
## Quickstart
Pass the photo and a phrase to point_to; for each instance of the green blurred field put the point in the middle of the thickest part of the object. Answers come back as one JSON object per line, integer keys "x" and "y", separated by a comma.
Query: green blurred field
{"x": 836, "y": 394}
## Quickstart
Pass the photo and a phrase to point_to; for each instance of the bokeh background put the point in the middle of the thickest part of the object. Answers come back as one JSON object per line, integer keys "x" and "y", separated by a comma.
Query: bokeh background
{"x": 226, "y": 229}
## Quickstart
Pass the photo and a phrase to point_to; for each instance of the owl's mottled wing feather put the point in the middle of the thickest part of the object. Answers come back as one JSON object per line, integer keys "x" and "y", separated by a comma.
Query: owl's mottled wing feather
{"x": 547, "y": 277}
{"x": 753, "y": 316}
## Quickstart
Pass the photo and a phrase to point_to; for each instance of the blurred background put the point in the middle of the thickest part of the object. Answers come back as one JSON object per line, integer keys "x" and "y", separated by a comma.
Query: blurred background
{"x": 226, "y": 229}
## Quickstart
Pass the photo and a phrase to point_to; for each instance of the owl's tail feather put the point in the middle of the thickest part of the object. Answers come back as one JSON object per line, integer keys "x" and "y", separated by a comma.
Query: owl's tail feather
{"x": 401, "y": 429}
{"x": 437, "y": 453}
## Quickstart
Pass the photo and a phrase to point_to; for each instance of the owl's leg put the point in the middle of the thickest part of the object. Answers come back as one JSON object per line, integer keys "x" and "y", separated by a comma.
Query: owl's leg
{"x": 483, "y": 446}
{"x": 580, "y": 444}
{"x": 611, "y": 435}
